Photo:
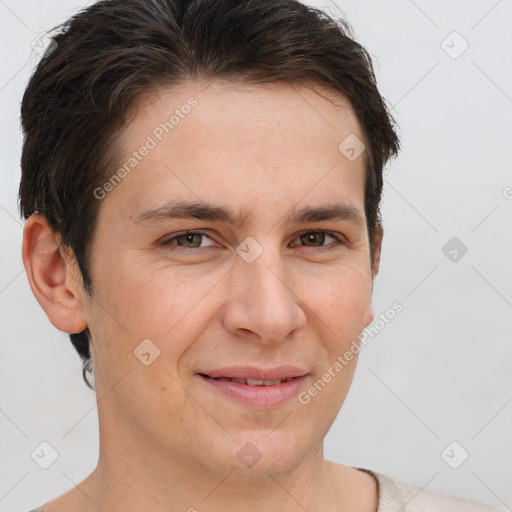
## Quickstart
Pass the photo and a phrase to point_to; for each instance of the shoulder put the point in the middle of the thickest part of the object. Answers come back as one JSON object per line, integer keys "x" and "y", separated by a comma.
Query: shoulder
{"x": 38, "y": 509}
{"x": 397, "y": 496}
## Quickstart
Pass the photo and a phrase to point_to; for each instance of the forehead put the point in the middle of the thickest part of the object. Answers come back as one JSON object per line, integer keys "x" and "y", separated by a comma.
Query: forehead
{"x": 219, "y": 108}
{"x": 246, "y": 143}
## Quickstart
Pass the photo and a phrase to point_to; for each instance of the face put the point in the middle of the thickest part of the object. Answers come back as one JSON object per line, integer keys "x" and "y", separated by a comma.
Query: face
{"x": 252, "y": 282}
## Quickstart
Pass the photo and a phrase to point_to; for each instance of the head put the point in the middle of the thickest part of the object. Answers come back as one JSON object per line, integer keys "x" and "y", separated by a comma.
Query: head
{"x": 242, "y": 114}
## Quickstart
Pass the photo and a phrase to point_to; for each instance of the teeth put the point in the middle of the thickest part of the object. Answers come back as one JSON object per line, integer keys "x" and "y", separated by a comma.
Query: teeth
{"x": 257, "y": 382}
{"x": 270, "y": 382}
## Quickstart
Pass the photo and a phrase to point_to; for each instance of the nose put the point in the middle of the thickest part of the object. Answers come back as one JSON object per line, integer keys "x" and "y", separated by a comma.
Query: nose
{"x": 263, "y": 303}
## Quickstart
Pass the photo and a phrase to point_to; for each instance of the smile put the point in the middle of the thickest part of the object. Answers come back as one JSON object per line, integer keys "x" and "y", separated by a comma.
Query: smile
{"x": 255, "y": 393}
{"x": 256, "y": 382}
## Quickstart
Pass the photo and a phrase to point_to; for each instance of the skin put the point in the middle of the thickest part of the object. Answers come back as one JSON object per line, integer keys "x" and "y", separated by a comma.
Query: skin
{"x": 166, "y": 438}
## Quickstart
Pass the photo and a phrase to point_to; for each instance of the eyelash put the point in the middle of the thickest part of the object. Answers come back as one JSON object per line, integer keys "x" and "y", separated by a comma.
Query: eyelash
{"x": 339, "y": 241}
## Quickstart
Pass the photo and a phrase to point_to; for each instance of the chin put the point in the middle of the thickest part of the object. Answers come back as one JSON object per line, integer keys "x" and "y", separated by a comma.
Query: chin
{"x": 258, "y": 456}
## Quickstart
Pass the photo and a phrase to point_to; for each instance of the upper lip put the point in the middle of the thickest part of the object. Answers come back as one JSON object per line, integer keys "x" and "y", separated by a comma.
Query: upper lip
{"x": 251, "y": 372}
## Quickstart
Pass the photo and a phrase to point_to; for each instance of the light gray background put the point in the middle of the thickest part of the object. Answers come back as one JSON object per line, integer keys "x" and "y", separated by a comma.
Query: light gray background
{"x": 439, "y": 372}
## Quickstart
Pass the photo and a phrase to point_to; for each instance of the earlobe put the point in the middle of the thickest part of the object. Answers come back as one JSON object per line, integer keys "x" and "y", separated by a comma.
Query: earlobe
{"x": 368, "y": 317}
{"x": 375, "y": 264}
{"x": 52, "y": 276}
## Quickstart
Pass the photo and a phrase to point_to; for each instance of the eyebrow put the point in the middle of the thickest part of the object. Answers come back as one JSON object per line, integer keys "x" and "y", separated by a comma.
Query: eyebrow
{"x": 205, "y": 211}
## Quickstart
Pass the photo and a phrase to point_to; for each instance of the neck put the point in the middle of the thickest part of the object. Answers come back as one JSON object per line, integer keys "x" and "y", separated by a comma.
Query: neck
{"x": 176, "y": 486}
{"x": 130, "y": 483}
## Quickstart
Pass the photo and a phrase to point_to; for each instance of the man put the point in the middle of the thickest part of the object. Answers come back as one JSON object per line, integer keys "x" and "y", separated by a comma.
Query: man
{"x": 202, "y": 184}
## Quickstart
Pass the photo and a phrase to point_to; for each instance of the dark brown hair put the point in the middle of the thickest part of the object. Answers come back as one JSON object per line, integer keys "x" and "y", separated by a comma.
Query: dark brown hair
{"x": 110, "y": 53}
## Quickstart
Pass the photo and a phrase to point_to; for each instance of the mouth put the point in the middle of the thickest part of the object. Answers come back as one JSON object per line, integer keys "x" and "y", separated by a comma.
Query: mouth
{"x": 251, "y": 382}
{"x": 259, "y": 393}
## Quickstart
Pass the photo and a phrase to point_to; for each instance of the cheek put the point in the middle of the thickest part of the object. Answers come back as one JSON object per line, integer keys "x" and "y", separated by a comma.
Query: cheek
{"x": 148, "y": 301}
{"x": 169, "y": 307}
{"x": 342, "y": 300}
{"x": 341, "y": 305}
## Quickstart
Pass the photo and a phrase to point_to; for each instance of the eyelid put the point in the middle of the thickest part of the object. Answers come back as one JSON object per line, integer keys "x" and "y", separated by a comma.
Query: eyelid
{"x": 166, "y": 241}
{"x": 340, "y": 239}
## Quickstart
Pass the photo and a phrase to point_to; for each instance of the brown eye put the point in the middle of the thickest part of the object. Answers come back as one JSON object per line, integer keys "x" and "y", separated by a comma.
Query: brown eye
{"x": 192, "y": 240}
{"x": 188, "y": 240}
{"x": 318, "y": 239}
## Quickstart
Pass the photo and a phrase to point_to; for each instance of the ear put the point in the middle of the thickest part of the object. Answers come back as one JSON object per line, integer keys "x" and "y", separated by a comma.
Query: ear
{"x": 375, "y": 264}
{"x": 375, "y": 256}
{"x": 53, "y": 275}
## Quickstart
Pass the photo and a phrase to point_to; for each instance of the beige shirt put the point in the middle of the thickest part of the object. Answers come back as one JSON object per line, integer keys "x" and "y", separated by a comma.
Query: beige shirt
{"x": 395, "y": 496}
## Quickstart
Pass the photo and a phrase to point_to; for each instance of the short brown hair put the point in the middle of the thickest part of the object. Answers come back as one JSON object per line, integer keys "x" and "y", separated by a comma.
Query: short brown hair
{"x": 110, "y": 53}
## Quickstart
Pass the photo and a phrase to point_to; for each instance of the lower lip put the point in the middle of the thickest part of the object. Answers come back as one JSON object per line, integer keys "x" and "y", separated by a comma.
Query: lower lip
{"x": 263, "y": 397}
